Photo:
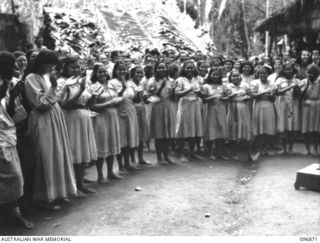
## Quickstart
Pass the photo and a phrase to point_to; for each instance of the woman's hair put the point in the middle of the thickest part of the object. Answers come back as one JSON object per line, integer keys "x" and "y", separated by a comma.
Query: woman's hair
{"x": 266, "y": 68}
{"x": 209, "y": 79}
{"x": 299, "y": 61}
{"x": 156, "y": 74}
{"x": 133, "y": 71}
{"x": 173, "y": 69}
{"x": 29, "y": 53}
{"x": 7, "y": 64}
{"x": 116, "y": 67}
{"x": 66, "y": 63}
{"x": 183, "y": 69}
{"x": 313, "y": 68}
{"x": 18, "y": 54}
{"x": 44, "y": 57}
{"x": 247, "y": 63}
{"x": 148, "y": 70}
{"x": 96, "y": 66}
{"x": 231, "y": 73}
{"x": 289, "y": 65}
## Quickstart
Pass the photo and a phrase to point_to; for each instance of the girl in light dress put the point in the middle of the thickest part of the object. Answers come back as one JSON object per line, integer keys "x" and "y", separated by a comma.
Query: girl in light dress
{"x": 289, "y": 112}
{"x": 311, "y": 107}
{"x": 264, "y": 111}
{"x": 54, "y": 176}
{"x": 78, "y": 120}
{"x": 129, "y": 129}
{"x": 246, "y": 73}
{"x": 106, "y": 124}
{"x": 239, "y": 123}
{"x": 189, "y": 120}
{"x": 163, "y": 116}
{"x": 136, "y": 74}
{"x": 215, "y": 128}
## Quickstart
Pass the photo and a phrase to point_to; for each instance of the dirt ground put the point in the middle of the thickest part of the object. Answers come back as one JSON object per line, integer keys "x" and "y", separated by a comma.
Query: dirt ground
{"x": 238, "y": 198}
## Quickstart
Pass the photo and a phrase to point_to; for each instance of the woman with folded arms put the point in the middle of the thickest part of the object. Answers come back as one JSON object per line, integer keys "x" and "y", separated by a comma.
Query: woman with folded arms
{"x": 189, "y": 121}
{"x": 215, "y": 128}
{"x": 162, "y": 125}
{"x": 264, "y": 111}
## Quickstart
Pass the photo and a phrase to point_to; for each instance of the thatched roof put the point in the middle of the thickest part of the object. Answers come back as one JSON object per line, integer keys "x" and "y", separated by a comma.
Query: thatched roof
{"x": 298, "y": 17}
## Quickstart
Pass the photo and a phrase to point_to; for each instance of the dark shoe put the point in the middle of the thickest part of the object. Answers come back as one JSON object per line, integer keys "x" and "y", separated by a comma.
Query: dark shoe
{"x": 102, "y": 181}
{"x": 80, "y": 194}
{"x": 169, "y": 161}
{"x": 123, "y": 172}
{"x": 88, "y": 181}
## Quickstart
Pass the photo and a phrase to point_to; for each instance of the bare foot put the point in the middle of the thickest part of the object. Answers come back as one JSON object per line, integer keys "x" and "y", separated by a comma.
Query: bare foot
{"x": 80, "y": 194}
{"x": 114, "y": 176}
{"x": 21, "y": 221}
{"x": 86, "y": 190}
{"x": 102, "y": 180}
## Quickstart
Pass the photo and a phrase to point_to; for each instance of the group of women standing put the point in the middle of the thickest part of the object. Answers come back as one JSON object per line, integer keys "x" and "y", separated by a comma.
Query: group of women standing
{"x": 70, "y": 119}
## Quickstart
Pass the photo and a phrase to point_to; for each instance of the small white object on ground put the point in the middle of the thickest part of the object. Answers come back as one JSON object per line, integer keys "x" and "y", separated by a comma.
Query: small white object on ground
{"x": 138, "y": 188}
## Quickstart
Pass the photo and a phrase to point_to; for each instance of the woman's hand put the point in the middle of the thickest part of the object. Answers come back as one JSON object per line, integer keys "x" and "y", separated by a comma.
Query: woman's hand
{"x": 71, "y": 81}
{"x": 16, "y": 90}
{"x": 98, "y": 91}
{"x": 82, "y": 83}
{"x": 53, "y": 79}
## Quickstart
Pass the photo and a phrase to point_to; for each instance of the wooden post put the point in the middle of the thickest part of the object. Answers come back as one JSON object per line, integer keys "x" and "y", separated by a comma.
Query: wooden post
{"x": 267, "y": 32}
{"x": 12, "y": 7}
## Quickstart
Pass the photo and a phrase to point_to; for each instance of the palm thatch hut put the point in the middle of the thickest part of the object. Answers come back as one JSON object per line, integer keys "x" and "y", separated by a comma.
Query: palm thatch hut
{"x": 298, "y": 18}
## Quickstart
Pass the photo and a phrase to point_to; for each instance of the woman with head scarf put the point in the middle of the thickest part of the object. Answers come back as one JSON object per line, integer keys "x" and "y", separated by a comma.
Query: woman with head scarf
{"x": 54, "y": 177}
{"x": 11, "y": 180}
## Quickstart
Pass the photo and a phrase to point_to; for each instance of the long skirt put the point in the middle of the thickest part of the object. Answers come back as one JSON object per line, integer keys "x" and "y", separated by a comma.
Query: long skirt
{"x": 296, "y": 114}
{"x": 81, "y": 135}
{"x": 163, "y": 120}
{"x": 285, "y": 119}
{"x": 310, "y": 116}
{"x": 128, "y": 121}
{"x": 54, "y": 175}
{"x": 264, "y": 118}
{"x": 11, "y": 180}
{"x": 239, "y": 121}
{"x": 189, "y": 120}
{"x": 142, "y": 122}
{"x": 107, "y": 133}
{"x": 215, "y": 124}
